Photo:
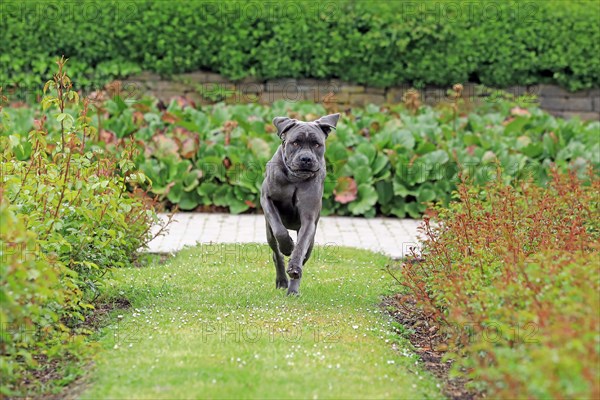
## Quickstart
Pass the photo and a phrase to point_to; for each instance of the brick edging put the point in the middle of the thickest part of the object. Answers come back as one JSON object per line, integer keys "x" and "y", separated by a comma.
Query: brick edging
{"x": 208, "y": 87}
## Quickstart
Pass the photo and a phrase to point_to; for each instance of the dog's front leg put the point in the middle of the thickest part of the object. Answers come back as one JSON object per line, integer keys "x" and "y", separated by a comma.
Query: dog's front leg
{"x": 285, "y": 242}
{"x": 306, "y": 238}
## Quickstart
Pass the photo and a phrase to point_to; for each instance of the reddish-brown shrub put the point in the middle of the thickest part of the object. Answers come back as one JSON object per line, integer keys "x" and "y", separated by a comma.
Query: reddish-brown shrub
{"x": 511, "y": 273}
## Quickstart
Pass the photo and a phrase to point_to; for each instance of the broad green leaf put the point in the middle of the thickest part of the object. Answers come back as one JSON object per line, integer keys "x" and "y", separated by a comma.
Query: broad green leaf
{"x": 367, "y": 198}
{"x": 404, "y": 138}
{"x": 425, "y": 195}
{"x": 398, "y": 207}
{"x": 516, "y": 126}
{"x": 425, "y": 147}
{"x": 368, "y": 150}
{"x": 188, "y": 201}
{"x": 357, "y": 160}
{"x": 363, "y": 174}
{"x": 436, "y": 157}
{"x": 385, "y": 191}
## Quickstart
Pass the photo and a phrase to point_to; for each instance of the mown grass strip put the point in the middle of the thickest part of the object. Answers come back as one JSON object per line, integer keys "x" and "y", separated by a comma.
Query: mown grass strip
{"x": 209, "y": 323}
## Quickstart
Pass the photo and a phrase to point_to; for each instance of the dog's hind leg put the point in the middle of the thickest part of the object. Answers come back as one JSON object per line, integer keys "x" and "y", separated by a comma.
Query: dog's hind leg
{"x": 281, "y": 281}
{"x": 308, "y": 253}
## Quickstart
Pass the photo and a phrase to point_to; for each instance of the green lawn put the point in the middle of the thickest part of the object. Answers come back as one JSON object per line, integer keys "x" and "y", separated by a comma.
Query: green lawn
{"x": 209, "y": 323}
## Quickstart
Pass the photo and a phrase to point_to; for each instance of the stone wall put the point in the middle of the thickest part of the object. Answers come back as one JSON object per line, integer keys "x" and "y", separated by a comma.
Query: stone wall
{"x": 207, "y": 87}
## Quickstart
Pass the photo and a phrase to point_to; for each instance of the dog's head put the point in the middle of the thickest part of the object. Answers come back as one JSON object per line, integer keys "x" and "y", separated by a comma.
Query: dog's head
{"x": 304, "y": 142}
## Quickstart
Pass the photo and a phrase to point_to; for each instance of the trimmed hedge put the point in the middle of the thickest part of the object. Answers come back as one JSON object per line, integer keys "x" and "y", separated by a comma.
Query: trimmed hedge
{"x": 380, "y": 44}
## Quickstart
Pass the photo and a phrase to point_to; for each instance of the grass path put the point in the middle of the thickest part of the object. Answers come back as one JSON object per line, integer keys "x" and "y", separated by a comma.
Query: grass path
{"x": 209, "y": 323}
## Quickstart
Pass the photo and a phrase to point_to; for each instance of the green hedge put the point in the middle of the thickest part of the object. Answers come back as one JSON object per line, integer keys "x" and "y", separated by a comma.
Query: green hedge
{"x": 496, "y": 43}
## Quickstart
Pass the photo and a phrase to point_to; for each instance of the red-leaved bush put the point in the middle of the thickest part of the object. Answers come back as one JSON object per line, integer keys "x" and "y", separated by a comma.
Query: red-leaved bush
{"x": 511, "y": 274}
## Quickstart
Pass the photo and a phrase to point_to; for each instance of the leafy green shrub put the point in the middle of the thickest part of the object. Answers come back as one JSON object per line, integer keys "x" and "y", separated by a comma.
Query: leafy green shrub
{"x": 68, "y": 217}
{"x": 496, "y": 43}
{"x": 33, "y": 299}
{"x": 511, "y": 272}
{"x": 380, "y": 161}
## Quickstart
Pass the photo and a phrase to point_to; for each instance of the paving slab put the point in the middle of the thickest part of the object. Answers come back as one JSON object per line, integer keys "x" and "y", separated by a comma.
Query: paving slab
{"x": 391, "y": 236}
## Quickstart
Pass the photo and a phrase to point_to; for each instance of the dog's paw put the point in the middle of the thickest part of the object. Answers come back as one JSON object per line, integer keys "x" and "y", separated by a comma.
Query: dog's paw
{"x": 294, "y": 272}
{"x": 286, "y": 244}
{"x": 294, "y": 287}
{"x": 281, "y": 283}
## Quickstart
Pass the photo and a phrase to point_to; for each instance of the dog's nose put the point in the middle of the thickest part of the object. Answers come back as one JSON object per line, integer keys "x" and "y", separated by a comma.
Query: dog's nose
{"x": 306, "y": 160}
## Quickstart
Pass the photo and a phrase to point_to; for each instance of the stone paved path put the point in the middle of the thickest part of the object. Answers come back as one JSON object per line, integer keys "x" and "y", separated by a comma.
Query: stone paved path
{"x": 390, "y": 236}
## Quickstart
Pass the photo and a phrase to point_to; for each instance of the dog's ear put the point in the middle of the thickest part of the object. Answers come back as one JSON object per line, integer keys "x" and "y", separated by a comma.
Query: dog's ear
{"x": 283, "y": 124}
{"x": 328, "y": 122}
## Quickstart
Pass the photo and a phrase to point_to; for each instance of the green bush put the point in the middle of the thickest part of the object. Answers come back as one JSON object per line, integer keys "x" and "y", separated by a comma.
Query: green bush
{"x": 510, "y": 275}
{"x": 379, "y": 160}
{"x": 496, "y": 43}
{"x": 68, "y": 217}
{"x": 36, "y": 292}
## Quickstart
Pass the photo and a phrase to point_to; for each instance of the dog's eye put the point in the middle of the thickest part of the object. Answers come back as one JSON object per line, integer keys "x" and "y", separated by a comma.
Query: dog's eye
{"x": 317, "y": 145}
{"x": 296, "y": 144}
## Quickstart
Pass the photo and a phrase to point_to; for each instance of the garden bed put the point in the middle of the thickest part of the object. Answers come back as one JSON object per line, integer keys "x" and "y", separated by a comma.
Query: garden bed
{"x": 380, "y": 161}
{"x": 508, "y": 288}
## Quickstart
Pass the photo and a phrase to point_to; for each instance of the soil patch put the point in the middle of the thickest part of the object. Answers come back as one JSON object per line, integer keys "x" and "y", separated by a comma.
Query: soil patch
{"x": 142, "y": 262}
{"x": 429, "y": 343}
{"x": 97, "y": 319}
{"x": 55, "y": 369}
{"x": 93, "y": 322}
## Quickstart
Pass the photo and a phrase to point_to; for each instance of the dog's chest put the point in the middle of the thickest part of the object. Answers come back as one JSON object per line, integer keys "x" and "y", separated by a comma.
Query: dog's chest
{"x": 288, "y": 208}
{"x": 286, "y": 201}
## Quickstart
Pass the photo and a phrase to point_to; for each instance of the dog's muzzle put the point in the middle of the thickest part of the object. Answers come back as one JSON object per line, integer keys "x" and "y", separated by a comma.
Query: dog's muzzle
{"x": 306, "y": 163}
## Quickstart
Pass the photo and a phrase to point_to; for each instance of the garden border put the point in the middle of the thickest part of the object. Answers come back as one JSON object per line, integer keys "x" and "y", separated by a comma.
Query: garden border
{"x": 207, "y": 87}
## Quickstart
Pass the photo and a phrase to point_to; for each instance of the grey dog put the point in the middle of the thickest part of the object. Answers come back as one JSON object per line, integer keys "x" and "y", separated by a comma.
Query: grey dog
{"x": 292, "y": 193}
